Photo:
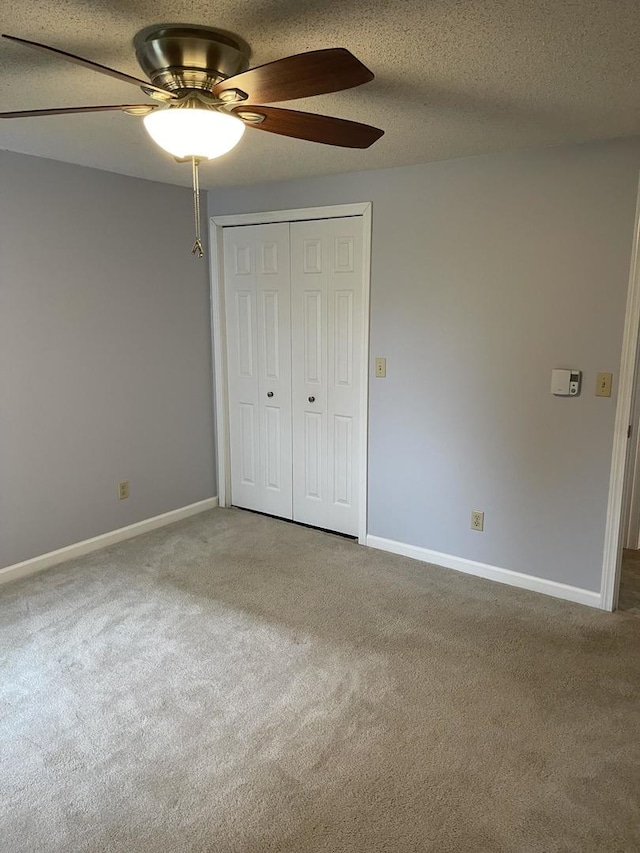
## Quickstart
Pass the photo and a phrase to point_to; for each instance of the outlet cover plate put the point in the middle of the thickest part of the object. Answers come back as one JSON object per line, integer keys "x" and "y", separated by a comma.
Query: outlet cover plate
{"x": 477, "y": 519}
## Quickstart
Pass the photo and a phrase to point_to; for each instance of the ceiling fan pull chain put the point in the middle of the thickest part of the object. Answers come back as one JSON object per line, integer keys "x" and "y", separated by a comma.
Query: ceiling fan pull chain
{"x": 197, "y": 246}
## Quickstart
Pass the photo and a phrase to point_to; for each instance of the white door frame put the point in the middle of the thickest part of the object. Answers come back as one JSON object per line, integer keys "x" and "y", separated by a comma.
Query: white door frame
{"x": 619, "y": 479}
{"x": 219, "y": 335}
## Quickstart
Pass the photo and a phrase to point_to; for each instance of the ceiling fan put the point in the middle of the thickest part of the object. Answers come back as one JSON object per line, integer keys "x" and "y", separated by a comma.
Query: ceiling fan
{"x": 207, "y": 94}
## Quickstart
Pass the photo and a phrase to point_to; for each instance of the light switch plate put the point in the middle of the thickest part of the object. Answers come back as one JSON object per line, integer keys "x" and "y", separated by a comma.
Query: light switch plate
{"x": 381, "y": 368}
{"x": 603, "y": 384}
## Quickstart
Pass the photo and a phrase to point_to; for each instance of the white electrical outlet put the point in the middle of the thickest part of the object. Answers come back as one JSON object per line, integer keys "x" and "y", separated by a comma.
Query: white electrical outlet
{"x": 123, "y": 490}
{"x": 477, "y": 520}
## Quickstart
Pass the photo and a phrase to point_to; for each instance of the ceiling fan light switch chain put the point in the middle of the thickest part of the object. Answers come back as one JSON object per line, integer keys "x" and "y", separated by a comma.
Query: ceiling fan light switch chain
{"x": 197, "y": 249}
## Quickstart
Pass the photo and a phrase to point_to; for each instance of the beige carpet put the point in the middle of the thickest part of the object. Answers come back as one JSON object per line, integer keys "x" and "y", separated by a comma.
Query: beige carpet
{"x": 238, "y": 684}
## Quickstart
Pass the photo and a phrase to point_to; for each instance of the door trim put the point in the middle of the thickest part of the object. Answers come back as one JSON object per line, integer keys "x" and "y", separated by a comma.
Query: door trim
{"x": 219, "y": 335}
{"x": 619, "y": 479}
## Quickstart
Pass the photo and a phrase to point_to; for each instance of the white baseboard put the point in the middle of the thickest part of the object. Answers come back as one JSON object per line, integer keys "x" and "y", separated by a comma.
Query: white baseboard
{"x": 492, "y": 573}
{"x": 79, "y": 549}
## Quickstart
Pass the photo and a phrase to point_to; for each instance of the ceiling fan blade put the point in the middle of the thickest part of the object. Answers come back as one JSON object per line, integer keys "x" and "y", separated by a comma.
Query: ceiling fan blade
{"x": 94, "y": 66}
{"x": 136, "y": 109}
{"x": 315, "y": 128}
{"x": 314, "y": 73}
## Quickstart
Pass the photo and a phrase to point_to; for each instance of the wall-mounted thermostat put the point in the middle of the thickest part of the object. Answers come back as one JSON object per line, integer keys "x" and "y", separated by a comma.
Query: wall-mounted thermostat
{"x": 565, "y": 383}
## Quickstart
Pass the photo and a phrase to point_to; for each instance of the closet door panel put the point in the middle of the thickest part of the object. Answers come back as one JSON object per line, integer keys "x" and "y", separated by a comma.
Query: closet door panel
{"x": 327, "y": 370}
{"x": 258, "y": 297}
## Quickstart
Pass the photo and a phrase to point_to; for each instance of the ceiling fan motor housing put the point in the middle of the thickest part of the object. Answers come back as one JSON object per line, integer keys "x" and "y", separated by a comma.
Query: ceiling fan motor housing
{"x": 182, "y": 58}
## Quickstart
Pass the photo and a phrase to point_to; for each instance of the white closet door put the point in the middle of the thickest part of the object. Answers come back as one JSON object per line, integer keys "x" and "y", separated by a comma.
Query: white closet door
{"x": 258, "y": 312}
{"x": 327, "y": 370}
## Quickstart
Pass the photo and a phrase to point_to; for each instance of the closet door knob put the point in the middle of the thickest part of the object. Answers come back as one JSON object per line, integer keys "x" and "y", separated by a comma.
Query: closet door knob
{"x": 312, "y": 399}
{"x": 269, "y": 393}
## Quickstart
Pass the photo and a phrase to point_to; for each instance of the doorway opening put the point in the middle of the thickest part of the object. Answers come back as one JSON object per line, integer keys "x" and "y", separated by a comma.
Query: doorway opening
{"x": 623, "y": 511}
{"x": 629, "y": 573}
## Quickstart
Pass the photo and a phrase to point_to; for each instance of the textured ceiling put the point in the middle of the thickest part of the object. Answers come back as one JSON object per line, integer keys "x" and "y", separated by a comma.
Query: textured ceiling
{"x": 453, "y": 78}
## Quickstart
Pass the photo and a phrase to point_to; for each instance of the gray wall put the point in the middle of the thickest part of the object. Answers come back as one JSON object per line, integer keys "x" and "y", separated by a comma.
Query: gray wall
{"x": 486, "y": 274}
{"x": 104, "y": 354}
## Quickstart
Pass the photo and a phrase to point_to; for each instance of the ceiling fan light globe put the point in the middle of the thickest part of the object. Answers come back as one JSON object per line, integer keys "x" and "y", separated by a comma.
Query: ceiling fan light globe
{"x": 202, "y": 133}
